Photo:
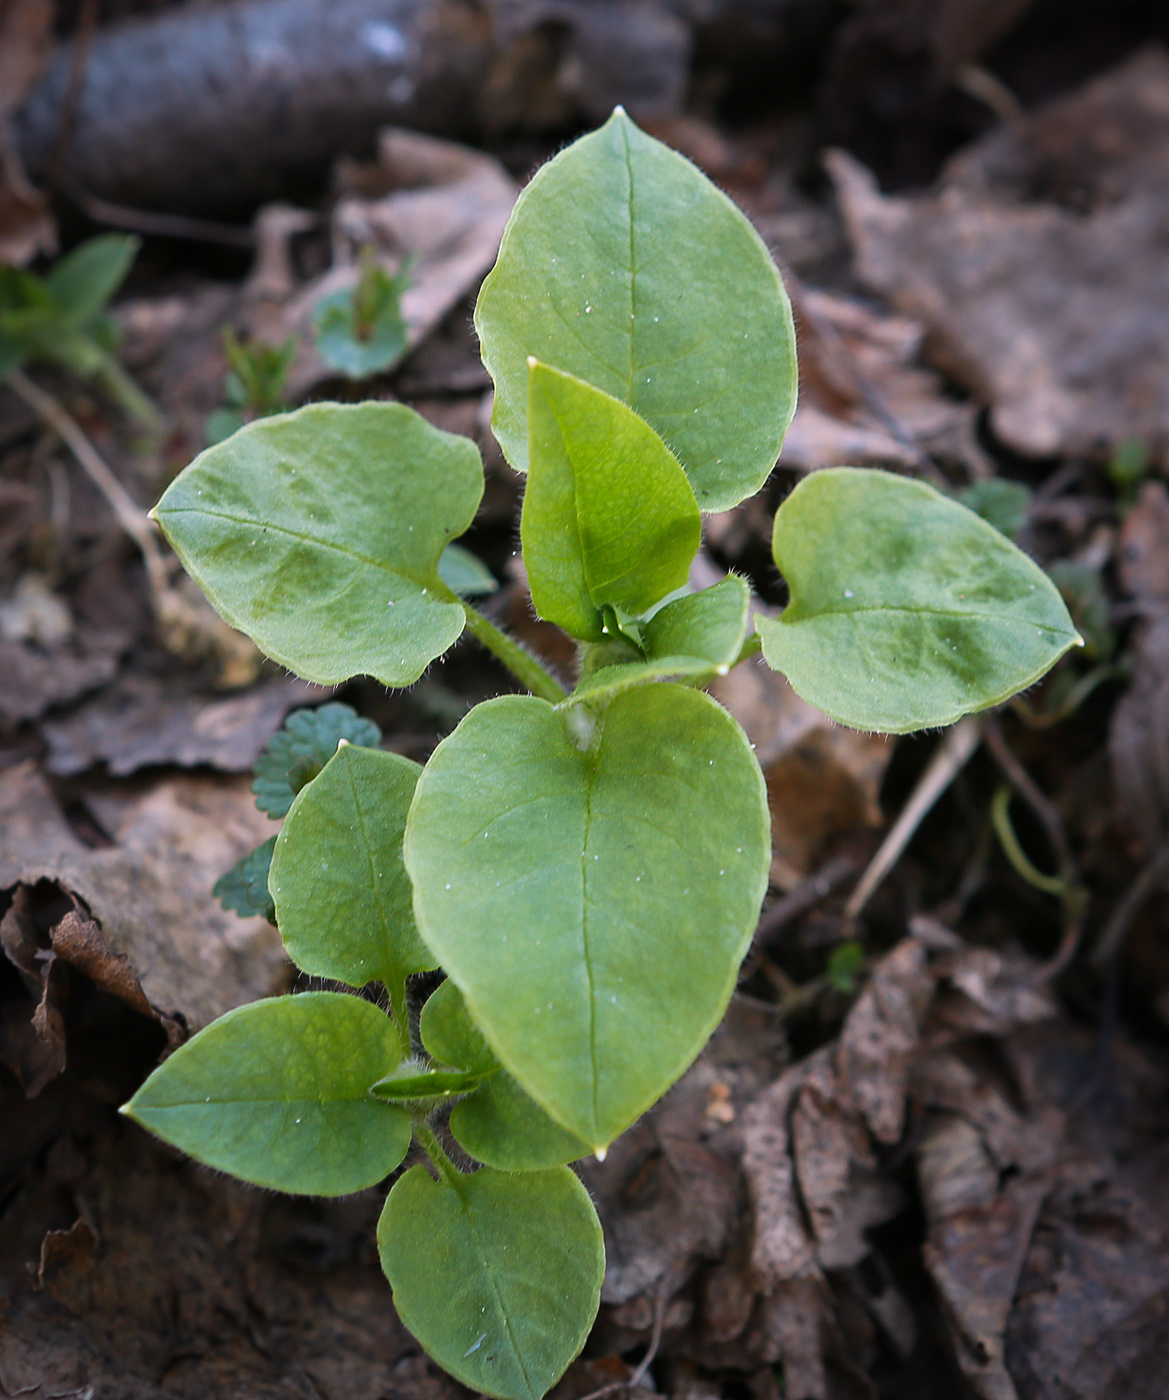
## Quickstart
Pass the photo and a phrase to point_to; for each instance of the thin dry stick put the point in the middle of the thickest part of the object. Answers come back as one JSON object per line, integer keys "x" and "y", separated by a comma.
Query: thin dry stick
{"x": 952, "y": 755}
{"x": 647, "y": 1360}
{"x": 130, "y": 516}
{"x": 805, "y": 895}
{"x": 1112, "y": 935}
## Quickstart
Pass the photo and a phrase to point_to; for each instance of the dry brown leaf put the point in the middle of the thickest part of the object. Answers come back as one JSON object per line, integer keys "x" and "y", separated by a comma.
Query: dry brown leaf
{"x": 859, "y": 381}
{"x": 822, "y": 780}
{"x": 143, "y": 720}
{"x": 151, "y": 891}
{"x": 1039, "y": 266}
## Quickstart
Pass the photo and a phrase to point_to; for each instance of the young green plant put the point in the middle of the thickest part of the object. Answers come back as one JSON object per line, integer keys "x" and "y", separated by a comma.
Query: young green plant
{"x": 585, "y": 867}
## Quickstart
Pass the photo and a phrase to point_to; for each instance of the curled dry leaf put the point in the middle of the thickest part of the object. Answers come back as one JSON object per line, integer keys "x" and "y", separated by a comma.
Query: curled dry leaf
{"x": 149, "y": 891}
{"x": 812, "y": 1151}
{"x": 1039, "y": 266}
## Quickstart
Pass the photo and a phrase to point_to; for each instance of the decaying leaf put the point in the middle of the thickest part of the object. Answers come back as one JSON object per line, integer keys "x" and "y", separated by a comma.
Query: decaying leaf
{"x": 149, "y": 892}
{"x": 822, "y": 780}
{"x": 1039, "y": 266}
{"x": 144, "y": 719}
{"x": 863, "y": 397}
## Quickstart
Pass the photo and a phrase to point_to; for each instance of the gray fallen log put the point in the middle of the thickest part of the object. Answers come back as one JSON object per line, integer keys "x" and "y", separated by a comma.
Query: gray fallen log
{"x": 211, "y": 110}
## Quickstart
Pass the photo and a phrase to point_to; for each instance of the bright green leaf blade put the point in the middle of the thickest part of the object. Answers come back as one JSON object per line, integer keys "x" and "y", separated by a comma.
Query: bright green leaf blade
{"x": 85, "y": 279}
{"x": 609, "y": 680}
{"x": 711, "y": 624}
{"x": 277, "y": 1093}
{"x": 450, "y": 1035}
{"x": 907, "y": 610}
{"x": 624, "y": 265}
{"x": 244, "y": 888}
{"x": 306, "y": 737}
{"x": 344, "y": 904}
{"x": 609, "y": 517}
{"x": 498, "y": 1276}
{"x": 464, "y": 573}
{"x": 424, "y": 1085}
{"x": 592, "y": 907}
{"x": 318, "y": 533}
{"x": 498, "y": 1124}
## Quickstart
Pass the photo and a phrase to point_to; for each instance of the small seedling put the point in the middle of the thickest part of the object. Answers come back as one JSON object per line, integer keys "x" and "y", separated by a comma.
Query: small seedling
{"x": 61, "y": 319}
{"x": 360, "y": 331}
{"x": 587, "y": 868}
{"x": 254, "y": 385}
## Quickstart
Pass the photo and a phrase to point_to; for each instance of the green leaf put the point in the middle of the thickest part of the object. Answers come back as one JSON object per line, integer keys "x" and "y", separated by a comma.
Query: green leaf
{"x": 907, "y": 610}
{"x": 592, "y": 907}
{"x": 1001, "y": 503}
{"x": 624, "y": 265}
{"x": 607, "y": 681}
{"x": 609, "y": 517}
{"x": 244, "y": 888}
{"x": 421, "y": 1084}
{"x": 83, "y": 281}
{"x": 343, "y": 899}
{"x": 307, "y": 737}
{"x": 465, "y": 574}
{"x": 498, "y": 1124}
{"x": 318, "y": 533}
{"x": 711, "y": 624}
{"x": 360, "y": 330}
{"x": 277, "y": 1093}
{"x": 498, "y": 1276}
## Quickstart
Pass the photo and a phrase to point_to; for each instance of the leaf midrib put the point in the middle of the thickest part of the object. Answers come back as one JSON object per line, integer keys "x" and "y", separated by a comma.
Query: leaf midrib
{"x": 997, "y": 618}
{"x": 306, "y": 539}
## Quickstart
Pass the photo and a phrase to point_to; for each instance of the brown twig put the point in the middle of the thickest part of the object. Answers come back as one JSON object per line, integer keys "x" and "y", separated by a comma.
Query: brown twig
{"x": 950, "y": 757}
{"x": 1113, "y": 933}
{"x": 805, "y": 896}
{"x": 151, "y": 221}
{"x": 647, "y": 1360}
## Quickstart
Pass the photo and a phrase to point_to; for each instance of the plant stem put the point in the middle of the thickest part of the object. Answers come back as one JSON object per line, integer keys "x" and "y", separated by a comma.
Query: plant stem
{"x": 430, "y": 1144}
{"x": 522, "y": 664}
{"x": 396, "y": 988}
{"x": 119, "y": 385}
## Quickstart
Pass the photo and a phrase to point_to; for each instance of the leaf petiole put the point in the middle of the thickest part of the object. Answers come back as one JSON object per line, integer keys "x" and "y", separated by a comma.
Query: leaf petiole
{"x": 522, "y": 664}
{"x": 427, "y": 1139}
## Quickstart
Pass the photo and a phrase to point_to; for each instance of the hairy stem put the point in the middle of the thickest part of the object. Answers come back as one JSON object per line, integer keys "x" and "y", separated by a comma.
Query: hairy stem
{"x": 396, "y": 988}
{"x": 522, "y": 664}
{"x": 430, "y": 1144}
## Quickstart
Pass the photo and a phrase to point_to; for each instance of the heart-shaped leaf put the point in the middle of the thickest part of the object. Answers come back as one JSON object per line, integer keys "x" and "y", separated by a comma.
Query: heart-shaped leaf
{"x": 344, "y": 904}
{"x": 277, "y": 1093}
{"x": 498, "y": 1124}
{"x": 592, "y": 907}
{"x": 711, "y": 624}
{"x": 907, "y": 610}
{"x": 498, "y": 1276}
{"x": 305, "y": 742}
{"x": 609, "y": 517}
{"x": 318, "y": 533}
{"x": 663, "y": 296}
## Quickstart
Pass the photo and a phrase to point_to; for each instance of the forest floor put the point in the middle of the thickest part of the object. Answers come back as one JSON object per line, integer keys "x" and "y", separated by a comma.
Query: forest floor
{"x": 927, "y": 1152}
